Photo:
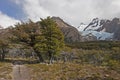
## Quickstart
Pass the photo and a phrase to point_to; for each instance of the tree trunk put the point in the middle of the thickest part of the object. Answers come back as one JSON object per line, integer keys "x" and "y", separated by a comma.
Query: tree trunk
{"x": 65, "y": 58}
{"x": 50, "y": 57}
{"x": 40, "y": 57}
{"x": 0, "y": 56}
{"x": 51, "y": 60}
{"x": 3, "y": 55}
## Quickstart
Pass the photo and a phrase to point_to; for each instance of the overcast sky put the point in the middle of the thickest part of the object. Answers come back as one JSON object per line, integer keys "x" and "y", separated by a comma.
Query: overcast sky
{"x": 72, "y": 11}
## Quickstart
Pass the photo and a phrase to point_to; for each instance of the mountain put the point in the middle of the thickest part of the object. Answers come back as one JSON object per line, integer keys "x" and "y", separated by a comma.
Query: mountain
{"x": 97, "y": 29}
{"x": 102, "y": 29}
{"x": 71, "y": 33}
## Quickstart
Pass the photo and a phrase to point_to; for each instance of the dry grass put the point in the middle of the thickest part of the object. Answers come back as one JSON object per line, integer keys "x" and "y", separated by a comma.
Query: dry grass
{"x": 5, "y": 71}
{"x": 71, "y": 71}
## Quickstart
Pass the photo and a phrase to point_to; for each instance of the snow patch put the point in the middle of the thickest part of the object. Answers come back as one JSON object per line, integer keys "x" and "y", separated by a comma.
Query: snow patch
{"x": 99, "y": 35}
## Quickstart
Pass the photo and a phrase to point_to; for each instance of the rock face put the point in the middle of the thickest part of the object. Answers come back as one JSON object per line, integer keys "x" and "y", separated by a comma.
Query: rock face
{"x": 71, "y": 33}
{"x": 113, "y": 27}
{"x": 89, "y": 37}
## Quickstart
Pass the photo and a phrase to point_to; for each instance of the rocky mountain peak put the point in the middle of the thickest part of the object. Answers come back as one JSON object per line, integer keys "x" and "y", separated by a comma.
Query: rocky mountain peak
{"x": 60, "y": 22}
{"x": 71, "y": 34}
{"x": 116, "y": 20}
{"x": 96, "y": 25}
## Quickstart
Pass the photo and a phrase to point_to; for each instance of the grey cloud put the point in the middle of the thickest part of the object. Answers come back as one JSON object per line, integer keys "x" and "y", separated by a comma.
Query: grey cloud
{"x": 72, "y": 11}
{"x": 106, "y": 8}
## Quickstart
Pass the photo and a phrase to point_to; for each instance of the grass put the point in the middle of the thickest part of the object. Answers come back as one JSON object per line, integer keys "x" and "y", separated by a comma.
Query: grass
{"x": 71, "y": 71}
{"x": 5, "y": 71}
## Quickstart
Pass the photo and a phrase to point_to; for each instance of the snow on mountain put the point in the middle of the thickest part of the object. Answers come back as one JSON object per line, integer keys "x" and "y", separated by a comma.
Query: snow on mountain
{"x": 99, "y": 35}
{"x": 96, "y": 29}
{"x": 95, "y": 25}
{"x": 81, "y": 27}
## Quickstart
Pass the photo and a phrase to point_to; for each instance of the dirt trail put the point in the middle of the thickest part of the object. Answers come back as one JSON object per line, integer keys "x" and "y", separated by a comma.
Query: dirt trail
{"x": 20, "y": 72}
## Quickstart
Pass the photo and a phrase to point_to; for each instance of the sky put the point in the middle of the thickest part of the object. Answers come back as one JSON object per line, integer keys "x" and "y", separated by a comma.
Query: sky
{"x": 73, "y": 12}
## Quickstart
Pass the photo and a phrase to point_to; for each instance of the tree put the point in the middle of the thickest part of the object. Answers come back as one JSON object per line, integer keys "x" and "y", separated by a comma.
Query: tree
{"x": 51, "y": 41}
{"x": 44, "y": 37}
{"x": 26, "y": 33}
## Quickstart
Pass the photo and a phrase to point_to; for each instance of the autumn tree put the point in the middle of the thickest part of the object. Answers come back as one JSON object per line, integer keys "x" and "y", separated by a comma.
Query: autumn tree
{"x": 26, "y": 33}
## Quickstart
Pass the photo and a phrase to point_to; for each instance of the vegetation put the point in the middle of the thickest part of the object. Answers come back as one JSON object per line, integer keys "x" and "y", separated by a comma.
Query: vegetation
{"x": 95, "y": 45}
{"x": 71, "y": 71}
{"x": 44, "y": 37}
{"x": 98, "y": 53}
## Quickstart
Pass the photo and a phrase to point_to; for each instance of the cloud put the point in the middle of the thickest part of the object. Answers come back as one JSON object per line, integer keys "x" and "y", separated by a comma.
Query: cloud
{"x": 32, "y": 9}
{"x": 106, "y": 8}
{"x": 72, "y": 11}
{"x": 6, "y": 21}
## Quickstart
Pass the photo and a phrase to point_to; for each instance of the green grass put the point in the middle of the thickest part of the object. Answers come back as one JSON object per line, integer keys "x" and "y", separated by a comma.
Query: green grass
{"x": 71, "y": 71}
